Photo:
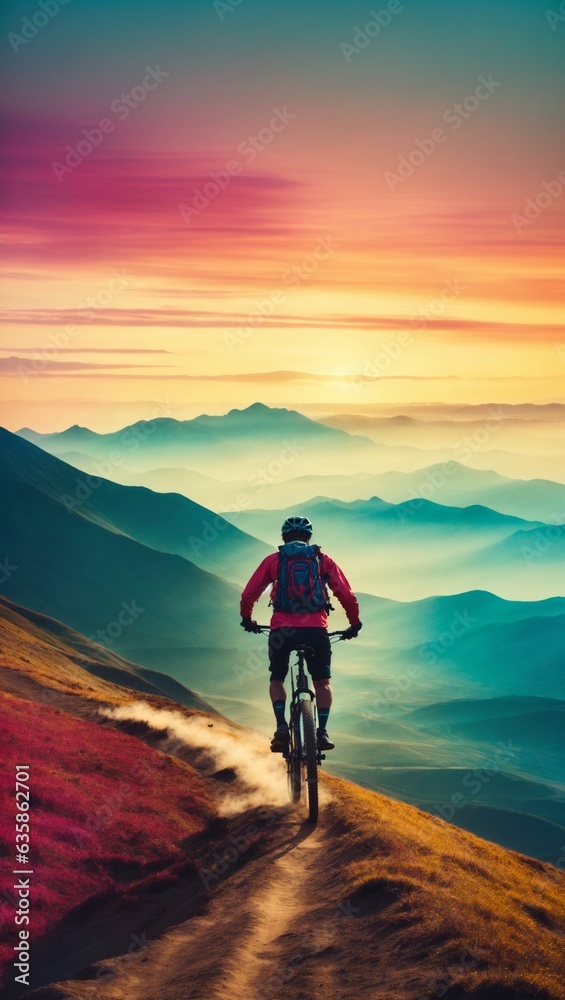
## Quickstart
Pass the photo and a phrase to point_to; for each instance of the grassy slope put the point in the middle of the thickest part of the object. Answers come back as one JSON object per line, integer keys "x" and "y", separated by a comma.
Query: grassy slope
{"x": 493, "y": 918}
{"x": 53, "y": 654}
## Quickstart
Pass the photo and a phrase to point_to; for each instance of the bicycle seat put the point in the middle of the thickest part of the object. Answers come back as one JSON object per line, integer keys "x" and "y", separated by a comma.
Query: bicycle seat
{"x": 303, "y": 649}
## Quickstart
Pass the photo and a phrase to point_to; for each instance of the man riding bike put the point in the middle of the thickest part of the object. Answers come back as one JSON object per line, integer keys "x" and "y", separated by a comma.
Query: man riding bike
{"x": 300, "y": 573}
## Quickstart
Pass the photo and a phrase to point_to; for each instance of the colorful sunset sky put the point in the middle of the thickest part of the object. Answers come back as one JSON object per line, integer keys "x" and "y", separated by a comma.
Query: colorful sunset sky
{"x": 270, "y": 203}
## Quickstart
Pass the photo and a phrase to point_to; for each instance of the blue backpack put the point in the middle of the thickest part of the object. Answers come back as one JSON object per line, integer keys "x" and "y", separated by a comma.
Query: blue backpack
{"x": 300, "y": 588}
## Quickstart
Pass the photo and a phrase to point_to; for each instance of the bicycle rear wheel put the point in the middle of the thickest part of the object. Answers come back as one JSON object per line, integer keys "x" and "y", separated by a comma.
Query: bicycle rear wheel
{"x": 309, "y": 756}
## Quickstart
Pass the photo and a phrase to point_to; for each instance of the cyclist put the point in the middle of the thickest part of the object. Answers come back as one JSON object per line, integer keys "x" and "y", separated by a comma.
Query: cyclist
{"x": 300, "y": 573}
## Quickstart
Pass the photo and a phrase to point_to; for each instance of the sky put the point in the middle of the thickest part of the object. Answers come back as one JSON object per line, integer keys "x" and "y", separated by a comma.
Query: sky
{"x": 208, "y": 204}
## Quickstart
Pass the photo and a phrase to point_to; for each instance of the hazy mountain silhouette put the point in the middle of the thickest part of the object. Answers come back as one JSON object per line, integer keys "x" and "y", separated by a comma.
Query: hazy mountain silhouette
{"x": 533, "y": 499}
{"x": 490, "y": 437}
{"x": 413, "y": 550}
{"x": 170, "y": 523}
{"x": 463, "y": 711}
{"x": 260, "y": 443}
{"x": 195, "y": 486}
{"x": 405, "y": 625}
{"x": 261, "y": 434}
{"x": 460, "y": 486}
{"x": 77, "y": 567}
{"x": 516, "y": 807}
{"x": 535, "y": 726}
{"x": 520, "y": 657}
{"x": 457, "y": 647}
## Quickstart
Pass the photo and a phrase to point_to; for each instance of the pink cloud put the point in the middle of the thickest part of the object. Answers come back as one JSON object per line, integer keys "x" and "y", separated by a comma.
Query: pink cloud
{"x": 205, "y": 319}
{"x": 22, "y": 366}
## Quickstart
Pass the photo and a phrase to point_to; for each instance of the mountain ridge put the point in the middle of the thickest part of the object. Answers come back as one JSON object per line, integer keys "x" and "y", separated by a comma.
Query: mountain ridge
{"x": 168, "y": 522}
{"x": 142, "y": 594}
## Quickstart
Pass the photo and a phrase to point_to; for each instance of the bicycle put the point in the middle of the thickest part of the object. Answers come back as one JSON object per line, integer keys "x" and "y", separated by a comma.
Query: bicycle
{"x": 303, "y": 756}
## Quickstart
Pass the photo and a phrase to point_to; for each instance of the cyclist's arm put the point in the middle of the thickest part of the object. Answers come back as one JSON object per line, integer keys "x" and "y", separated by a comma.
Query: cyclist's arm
{"x": 341, "y": 588}
{"x": 262, "y": 577}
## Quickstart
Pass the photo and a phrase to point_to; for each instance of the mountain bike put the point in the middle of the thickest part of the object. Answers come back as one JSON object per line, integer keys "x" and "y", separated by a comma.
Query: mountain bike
{"x": 303, "y": 756}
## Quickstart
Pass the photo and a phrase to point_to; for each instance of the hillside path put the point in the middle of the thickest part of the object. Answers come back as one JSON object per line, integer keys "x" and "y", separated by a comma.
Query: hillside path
{"x": 268, "y": 932}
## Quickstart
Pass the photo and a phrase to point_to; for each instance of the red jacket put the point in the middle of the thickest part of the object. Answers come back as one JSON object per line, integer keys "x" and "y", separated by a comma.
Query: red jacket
{"x": 266, "y": 574}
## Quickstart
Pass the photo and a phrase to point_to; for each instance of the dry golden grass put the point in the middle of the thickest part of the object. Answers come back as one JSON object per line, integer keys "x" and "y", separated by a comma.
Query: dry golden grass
{"x": 451, "y": 894}
{"x": 46, "y": 660}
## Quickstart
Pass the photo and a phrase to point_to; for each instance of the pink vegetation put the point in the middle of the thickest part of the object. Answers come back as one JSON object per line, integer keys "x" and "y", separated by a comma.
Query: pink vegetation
{"x": 105, "y": 809}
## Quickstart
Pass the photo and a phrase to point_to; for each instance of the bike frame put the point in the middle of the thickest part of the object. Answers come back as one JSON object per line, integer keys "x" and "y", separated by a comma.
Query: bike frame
{"x": 303, "y": 758}
{"x": 300, "y": 689}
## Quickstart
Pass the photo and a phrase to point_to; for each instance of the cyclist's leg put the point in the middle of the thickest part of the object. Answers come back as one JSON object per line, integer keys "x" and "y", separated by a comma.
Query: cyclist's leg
{"x": 324, "y": 694}
{"x": 279, "y": 654}
{"x": 319, "y": 666}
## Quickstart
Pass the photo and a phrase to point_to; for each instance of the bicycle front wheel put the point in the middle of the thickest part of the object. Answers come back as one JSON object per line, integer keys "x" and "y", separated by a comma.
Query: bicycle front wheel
{"x": 294, "y": 761}
{"x": 309, "y": 756}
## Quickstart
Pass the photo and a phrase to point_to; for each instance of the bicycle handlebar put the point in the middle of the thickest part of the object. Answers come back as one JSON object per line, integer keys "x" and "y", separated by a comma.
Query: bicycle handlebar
{"x": 265, "y": 629}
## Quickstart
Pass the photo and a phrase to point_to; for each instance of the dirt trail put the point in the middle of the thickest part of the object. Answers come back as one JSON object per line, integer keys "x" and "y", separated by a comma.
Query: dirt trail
{"x": 265, "y": 925}
{"x": 267, "y": 930}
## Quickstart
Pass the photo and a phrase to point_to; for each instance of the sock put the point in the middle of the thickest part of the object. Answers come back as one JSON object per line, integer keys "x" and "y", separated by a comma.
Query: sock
{"x": 278, "y": 708}
{"x": 323, "y": 714}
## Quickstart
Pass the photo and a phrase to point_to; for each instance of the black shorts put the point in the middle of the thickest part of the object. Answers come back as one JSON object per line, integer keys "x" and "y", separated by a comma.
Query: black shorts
{"x": 282, "y": 641}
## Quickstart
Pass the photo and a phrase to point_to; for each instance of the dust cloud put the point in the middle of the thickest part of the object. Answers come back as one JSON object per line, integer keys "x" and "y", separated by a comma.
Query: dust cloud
{"x": 262, "y": 774}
